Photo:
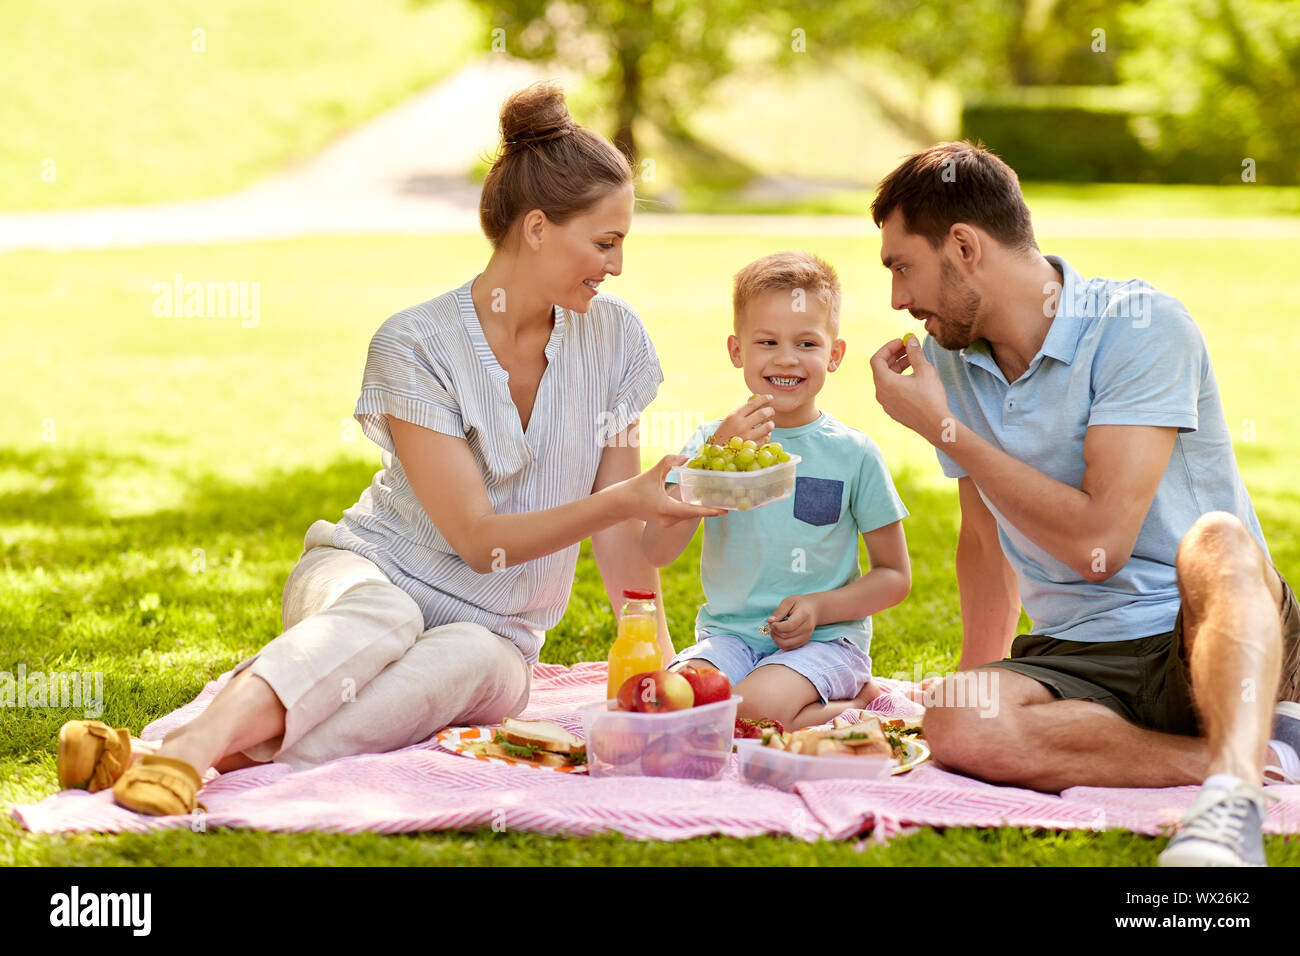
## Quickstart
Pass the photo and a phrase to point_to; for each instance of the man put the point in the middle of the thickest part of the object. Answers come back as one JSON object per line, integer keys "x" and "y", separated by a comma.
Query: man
{"x": 1097, "y": 484}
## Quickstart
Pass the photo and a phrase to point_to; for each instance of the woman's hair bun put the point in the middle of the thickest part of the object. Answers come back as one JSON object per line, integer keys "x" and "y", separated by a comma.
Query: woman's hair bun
{"x": 535, "y": 114}
{"x": 547, "y": 162}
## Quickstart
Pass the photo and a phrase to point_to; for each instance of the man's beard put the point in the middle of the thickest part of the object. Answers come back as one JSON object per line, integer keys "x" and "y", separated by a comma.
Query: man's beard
{"x": 959, "y": 305}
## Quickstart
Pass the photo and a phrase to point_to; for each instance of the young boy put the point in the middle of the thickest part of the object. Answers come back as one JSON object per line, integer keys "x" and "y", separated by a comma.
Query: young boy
{"x": 793, "y": 564}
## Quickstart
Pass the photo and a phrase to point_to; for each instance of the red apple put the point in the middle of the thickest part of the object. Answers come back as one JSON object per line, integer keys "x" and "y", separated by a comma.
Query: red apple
{"x": 663, "y": 690}
{"x": 709, "y": 683}
{"x": 697, "y": 755}
{"x": 628, "y": 692}
{"x": 615, "y": 743}
{"x": 709, "y": 751}
{"x": 666, "y": 756}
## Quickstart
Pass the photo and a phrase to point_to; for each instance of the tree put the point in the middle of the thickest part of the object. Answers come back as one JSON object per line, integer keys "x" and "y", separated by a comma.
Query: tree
{"x": 657, "y": 56}
{"x": 1228, "y": 73}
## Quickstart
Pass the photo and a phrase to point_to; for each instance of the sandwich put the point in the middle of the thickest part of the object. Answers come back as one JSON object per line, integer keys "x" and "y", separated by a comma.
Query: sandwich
{"x": 862, "y": 739}
{"x": 538, "y": 742}
{"x": 902, "y": 725}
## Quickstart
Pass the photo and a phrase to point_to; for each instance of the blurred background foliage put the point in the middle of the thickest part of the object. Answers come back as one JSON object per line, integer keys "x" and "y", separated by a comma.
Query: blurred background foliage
{"x": 1073, "y": 90}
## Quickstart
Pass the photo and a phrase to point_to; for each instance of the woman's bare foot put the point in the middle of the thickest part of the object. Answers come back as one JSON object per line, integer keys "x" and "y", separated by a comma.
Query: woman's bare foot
{"x": 245, "y": 712}
{"x": 235, "y": 761}
{"x": 192, "y": 746}
{"x": 141, "y": 747}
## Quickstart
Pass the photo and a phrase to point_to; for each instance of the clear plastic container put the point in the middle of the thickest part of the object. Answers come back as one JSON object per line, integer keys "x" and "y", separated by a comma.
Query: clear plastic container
{"x": 738, "y": 490}
{"x": 782, "y": 769}
{"x": 693, "y": 744}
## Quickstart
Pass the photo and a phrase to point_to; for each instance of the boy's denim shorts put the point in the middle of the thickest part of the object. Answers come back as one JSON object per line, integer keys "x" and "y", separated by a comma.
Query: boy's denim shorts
{"x": 837, "y": 668}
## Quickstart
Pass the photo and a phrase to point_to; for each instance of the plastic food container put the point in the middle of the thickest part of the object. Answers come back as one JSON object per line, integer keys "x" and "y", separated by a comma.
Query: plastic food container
{"x": 737, "y": 490}
{"x": 693, "y": 744}
{"x": 782, "y": 769}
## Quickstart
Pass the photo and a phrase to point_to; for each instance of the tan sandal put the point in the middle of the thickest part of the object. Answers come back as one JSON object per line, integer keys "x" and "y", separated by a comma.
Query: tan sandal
{"x": 92, "y": 755}
{"x": 159, "y": 786}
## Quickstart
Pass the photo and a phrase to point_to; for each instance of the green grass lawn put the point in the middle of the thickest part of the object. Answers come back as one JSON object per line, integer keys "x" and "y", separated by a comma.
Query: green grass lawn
{"x": 133, "y": 446}
{"x": 134, "y": 106}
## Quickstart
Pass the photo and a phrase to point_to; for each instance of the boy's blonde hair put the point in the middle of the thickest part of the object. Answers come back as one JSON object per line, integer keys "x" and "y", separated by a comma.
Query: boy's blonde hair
{"x": 786, "y": 271}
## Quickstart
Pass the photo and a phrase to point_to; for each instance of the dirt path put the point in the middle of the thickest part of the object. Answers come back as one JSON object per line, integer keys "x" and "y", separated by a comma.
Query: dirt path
{"x": 403, "y": 171}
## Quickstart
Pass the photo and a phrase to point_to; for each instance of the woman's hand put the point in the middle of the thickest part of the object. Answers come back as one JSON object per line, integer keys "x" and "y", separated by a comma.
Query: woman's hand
{"x": 644, "y": 496}
{"x": 751, "y": 421}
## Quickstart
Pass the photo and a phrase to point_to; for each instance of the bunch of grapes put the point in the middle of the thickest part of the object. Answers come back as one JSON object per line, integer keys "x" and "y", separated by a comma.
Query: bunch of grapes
{"x": 723, "y": 490}
{"x": 737, "y": 455}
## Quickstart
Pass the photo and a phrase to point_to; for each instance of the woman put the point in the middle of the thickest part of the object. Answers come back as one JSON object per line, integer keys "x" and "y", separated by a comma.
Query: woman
{"x": 507, "y": 412}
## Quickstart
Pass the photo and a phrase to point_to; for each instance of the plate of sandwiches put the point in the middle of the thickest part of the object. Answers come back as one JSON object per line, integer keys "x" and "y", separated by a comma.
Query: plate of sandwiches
{"x": 527, "y": 743}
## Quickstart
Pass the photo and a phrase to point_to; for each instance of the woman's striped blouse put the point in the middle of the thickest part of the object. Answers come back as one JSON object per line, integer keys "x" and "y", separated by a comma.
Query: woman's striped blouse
{"x": 431, "y": 365}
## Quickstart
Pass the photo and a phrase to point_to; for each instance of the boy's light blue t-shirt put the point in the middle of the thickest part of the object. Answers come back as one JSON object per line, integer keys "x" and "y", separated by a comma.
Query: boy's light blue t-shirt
{"x": 753, "y": 560}
{"x": 1116, "y": 353}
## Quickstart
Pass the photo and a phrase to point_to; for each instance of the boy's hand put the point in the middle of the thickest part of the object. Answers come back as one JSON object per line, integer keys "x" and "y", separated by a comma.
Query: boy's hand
{"x": 753, "y": 420}
{"x": 793, "y": 621}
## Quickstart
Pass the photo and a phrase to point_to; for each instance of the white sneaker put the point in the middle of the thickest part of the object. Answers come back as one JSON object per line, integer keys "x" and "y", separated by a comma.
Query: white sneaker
{"x": 1223, "y": 828}
{"x": 1286, "y": 732}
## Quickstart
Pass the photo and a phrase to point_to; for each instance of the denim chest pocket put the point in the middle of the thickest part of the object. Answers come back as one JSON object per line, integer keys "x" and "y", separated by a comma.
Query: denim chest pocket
{"x": 817, "y": 500}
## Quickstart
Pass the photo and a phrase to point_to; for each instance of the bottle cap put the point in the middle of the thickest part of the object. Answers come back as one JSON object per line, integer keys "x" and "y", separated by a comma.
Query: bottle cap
{"x": 638, "y": 594}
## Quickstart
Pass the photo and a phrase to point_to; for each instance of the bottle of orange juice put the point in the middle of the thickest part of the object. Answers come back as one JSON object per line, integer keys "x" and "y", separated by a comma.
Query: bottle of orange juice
{"x": 636, "y": 649}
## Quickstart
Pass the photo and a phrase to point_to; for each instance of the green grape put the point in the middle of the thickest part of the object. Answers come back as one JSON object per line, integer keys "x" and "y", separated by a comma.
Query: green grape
{"x": 751, "y": 444}
{"x": 753, "y": 466}
{"x": 774, "y": 447}
{"x": 783, "y": 457}
{"x": 764, "y": 457}
{"x": 698, "y": 463}
{"x": 730, "y": 466}
{"x": 736, "y": 442}
{"x": 745, "y": 456}
{"x": 709, "y": 451}
{"x": 717, "y": 464}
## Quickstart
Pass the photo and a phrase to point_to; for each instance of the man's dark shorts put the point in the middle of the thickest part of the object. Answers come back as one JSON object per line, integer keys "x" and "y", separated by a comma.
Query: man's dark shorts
{"x": 1146, "y": 680}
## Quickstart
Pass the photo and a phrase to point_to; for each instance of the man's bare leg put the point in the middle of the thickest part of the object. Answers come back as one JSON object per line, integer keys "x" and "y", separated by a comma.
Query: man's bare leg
{"x": 1022, "y": 735}
{"x": 1231, "y": 599}
{"x": 1233, "y": 633}
{"x": 1034, "y": 740}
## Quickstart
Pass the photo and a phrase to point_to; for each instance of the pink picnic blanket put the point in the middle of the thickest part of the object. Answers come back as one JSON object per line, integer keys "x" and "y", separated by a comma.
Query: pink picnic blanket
{"x": 424, "y": 787}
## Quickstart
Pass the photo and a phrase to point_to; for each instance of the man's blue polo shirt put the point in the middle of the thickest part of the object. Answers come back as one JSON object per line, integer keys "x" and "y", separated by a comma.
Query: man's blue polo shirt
{"x": 1117, "y": 353}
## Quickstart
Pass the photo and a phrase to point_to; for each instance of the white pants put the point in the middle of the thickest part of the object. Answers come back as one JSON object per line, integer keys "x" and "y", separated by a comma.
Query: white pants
{"x": 358, "y": 673}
